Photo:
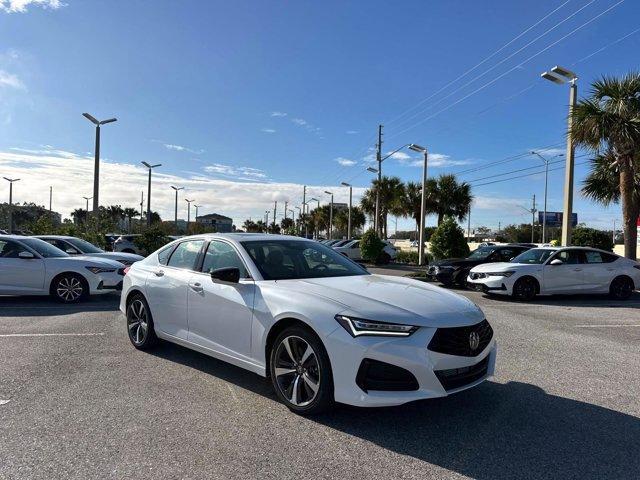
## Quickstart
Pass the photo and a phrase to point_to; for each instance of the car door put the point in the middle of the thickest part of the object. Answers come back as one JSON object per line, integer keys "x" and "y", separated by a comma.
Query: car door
{"x": 598, "y": 271}
{"x": 167, "y": 287}
{"x": 220, "y": 313}
{"x": 352, "y": 250}
{"x": 567, "y": 277}
{"x": 19, "y": 275}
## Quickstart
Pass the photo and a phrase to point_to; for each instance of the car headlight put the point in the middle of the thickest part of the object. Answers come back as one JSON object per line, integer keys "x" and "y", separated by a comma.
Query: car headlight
{"x": 97, "y": 270}
{"x": 499, "y": 274}
{"x": 359, "y": 326}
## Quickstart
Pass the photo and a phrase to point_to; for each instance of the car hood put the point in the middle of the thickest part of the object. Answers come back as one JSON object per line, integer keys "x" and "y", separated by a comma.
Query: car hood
{"x": 90, "y": 261}
{"x": 390, "y": 299}
{"x": 497, "y": 267}
{"x": 117, "y": 256}
{"x": 456, "y": 262}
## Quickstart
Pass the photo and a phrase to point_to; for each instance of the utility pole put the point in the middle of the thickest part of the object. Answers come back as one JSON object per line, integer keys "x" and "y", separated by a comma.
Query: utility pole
{"x": 285, "y": 210}
{"x": 11, "y": 181}
{"x": 177, "y": 189}
{"x": 330, "y": 232}
{"x": 266, "y": 221}
{"x": 50, "y": 197}
{"x": 376, "y": 220}
{"x": 304, "y": 216}
{"x": 275, "y": 210}
{"x": 533, "y": 218}
{"x": 141, "y": 205}
{"x": 469, "y": 224}
{"x": 188, "y": 212}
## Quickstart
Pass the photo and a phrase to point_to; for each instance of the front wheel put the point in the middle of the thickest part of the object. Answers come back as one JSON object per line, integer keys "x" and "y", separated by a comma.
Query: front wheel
{"x": 301, "y": 372}
{"x": 621, "y": 288}
{"x": 525, "y": 289}
{"x": 69, "y": 288}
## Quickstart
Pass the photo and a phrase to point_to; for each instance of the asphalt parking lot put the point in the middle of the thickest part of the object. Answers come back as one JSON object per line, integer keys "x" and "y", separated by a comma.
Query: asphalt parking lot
{"x": 78, "y": 401}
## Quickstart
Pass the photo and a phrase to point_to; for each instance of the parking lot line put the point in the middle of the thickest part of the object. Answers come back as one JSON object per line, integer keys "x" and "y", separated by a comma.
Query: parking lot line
{"x": 50, "y": 334}
{"x": 605, "y": 326}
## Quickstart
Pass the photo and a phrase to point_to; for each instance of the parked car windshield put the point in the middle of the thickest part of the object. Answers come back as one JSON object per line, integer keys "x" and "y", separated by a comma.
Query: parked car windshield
{"x": 84, "y": 246}
{"x": 534, "y": 256}
{"x": 293, "y": 259}
{"x": 481, "y": 253}
{"x": 44, "y": 249}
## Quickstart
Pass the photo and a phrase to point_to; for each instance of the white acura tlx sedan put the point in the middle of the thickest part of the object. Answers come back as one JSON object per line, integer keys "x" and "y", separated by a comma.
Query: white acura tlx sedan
{"x": 318, "y": 325}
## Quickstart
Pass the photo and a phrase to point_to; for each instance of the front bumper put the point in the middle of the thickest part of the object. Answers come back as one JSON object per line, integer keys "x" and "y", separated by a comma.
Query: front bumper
{"x": 106, "y": 282}
{"x": 497, "y": 285}
{"x": 410, "y": 353}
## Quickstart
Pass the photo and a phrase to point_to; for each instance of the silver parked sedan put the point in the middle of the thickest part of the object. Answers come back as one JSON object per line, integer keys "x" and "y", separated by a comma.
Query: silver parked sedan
{"x": 78, "y": 246}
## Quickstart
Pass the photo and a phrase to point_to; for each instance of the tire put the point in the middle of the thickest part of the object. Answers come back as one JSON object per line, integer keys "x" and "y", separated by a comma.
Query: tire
{"x": 140, "y": 323}
{"x": 461, "y": 279}
{"x": 302, "y": 378}
{"x": 621, "y": 288}
{"x": 69, "y": 288}
{"x": 525, "y": 289}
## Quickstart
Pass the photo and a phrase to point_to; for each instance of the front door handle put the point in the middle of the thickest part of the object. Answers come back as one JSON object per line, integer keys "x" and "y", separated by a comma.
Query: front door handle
{"x": 196, "y": 287}
{"x": 159, "y": 273}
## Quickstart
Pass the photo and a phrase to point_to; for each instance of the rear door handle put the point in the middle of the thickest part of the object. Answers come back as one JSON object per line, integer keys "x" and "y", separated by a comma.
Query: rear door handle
{"x": 196, "y": 287}
{"x": 159, "y": 273}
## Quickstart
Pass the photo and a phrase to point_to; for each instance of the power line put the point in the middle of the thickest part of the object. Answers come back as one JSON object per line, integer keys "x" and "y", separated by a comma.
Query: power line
{"x": 521, "y": 169}
{"x": 525, "y": 175}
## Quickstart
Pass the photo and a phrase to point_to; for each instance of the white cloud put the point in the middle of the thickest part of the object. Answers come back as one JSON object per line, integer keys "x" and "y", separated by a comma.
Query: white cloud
{"x": 268, "y": 130}
{"x": 10, "y": 80}
{"x": 278, "y": 114}
{"x": 299, "y": 121}
{"x": 180, "y": 148}
{"x": 346, "y": 162}
{"x": 21, "y": 6}
{"x": 434, "y": 160}
{"x": 352, "y": 132}
{"x": 71, "y": 176}
{"x": 243, "y": 173}
{"x": 512, "y": 206}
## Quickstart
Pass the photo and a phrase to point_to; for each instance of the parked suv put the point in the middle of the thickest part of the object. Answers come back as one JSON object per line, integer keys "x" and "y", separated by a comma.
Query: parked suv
{"x": 454, "y": 271}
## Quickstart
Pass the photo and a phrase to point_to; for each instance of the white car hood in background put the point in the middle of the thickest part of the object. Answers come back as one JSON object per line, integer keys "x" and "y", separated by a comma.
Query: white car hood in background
{"x": 91, "y": 261}
{"x": 391, "y": 299}
{"x": 131, "y": 257}
{"x": 500, "y": 267}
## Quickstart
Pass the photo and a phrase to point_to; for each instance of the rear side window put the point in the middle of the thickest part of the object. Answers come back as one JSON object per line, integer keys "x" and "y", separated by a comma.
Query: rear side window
{"x": 185, "y": 255}
{"x": 163, "y": 255}
{"x": 599, "y": 257}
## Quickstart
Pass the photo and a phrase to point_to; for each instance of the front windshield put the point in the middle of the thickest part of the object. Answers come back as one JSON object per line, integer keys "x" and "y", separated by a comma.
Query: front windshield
{"x": 44, "y": 249}
{"x": 293, "y": 259}
{"x": 481, "y": 253}
{"x": 84, "y": 246}
{"x": 536, "y": 256}
{"x": 340, "y": 243}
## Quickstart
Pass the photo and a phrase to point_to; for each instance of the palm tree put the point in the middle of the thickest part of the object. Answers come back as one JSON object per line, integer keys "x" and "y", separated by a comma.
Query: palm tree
{"x": 391, "y": 199}
{"x": 609, "y": 121}
{"x": 341, "y": 219}
{"x": 79, "y": 216}
{"x": 448, "y": 198}
{"x": 130, "y": 213}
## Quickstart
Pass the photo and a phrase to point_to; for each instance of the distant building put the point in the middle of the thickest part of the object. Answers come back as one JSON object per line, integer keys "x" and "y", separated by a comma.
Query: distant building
{"x": 218, "y": 222}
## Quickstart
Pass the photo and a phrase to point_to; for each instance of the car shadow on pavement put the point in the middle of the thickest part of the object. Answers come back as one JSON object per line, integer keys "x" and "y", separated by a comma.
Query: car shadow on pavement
{"x": 590, "y": 300}
{"x": 41, "y": 306}
{"x": 493, "y": 431}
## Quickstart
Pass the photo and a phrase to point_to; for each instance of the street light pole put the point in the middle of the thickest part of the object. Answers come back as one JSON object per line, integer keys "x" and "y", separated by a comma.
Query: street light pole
{"x": 423, "y": 201}
{"x": 150, "y": 167}
{"x": 96, "y": 166}
{"x": 266, "y": 221}
{"x": 50, "y": 197}
{"x": 87, "y": 202}
{"x": 330, "y": 215}
{"x": 197, "y": 207}
{"x": 376, "y": 219}
{"x": 560, "y": 76}
{"x": 11, "y": 181}
{"x": 546, "y": 177}
{"x": 344, "y": 184}
{"x": 177, "y": 189}
{"x": 299, "y": 217}
{"x": 188, "y": 213}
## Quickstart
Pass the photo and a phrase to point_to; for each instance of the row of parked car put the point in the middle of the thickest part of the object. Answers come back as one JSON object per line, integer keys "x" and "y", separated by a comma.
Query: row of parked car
{"x": 351, "y": 248}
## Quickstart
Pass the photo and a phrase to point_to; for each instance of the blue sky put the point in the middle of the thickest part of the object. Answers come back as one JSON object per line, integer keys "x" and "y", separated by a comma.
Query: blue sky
{"x": 243, "y": 102}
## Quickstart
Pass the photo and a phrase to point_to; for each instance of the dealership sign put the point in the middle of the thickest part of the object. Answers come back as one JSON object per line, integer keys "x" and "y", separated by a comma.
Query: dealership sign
{"x": 554, "y": 219}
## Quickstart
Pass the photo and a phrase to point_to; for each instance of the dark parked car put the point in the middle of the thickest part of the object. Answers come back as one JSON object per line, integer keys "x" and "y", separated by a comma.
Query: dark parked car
{"x": 454, "y": 271}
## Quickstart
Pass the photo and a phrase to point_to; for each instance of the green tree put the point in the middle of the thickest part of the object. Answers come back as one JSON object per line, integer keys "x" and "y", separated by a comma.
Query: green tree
{"x": 590, "y": 237}
{"x": 609, "y": 121}
{"x": 287, "y": 226}
{"x": 392, "y": 196}
{"x": 129, "y": 213}
{"x": 371, "y": 246}
{"x": 448, "y": 241}
{"x": 341, "y": 221}
{"x": 446, "y": 197}
{"x": 152, "y": 239}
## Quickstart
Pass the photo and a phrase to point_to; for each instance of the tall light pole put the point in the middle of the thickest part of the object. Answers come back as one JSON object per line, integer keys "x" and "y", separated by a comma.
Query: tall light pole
{"x": 345, "y": 184}
{"x": 50, "y": 197}
{"x": 87, "y": 202}
{"x": 188, "y": 212}
{"x": 330, "y": 215}
{"x": 304, "y": 216}
{"x": 546, "y": 177}
{"x": 86, "y": 218}
{"x": 11, "y": 181}
{"x": 150, "y": 167}
{"x": 96, "y": 166}
{"x": 141, "y": 206}
{"x": 299, "y": 217}
{"x": 379, "y": 159}
{"x": 266, "y": 219}
{"x": 177, "y": 189}
{"x": 423, "y": 201}
{"x": 309, "y": 208}
{"x": 561, "y": 76}
{"x": 275, "y": 210}
{"x": 197, "y": 207}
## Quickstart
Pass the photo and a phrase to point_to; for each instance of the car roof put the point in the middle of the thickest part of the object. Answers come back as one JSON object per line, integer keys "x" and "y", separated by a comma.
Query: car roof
{"x": 13, "y": 237}
{"x": 56, "y": 237}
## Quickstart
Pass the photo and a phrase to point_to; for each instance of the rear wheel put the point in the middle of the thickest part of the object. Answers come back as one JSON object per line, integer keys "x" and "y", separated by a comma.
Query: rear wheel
{"x": 621, "y": 288}
{"x": 140, "y": 323}
{"x": 525, "y": 289}
{"x": 301, "y": 372}
{"x": 69, "y": 288}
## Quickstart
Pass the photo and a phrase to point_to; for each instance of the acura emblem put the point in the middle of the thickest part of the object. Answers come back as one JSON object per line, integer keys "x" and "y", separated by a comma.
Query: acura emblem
{"x": 474, "y": 340}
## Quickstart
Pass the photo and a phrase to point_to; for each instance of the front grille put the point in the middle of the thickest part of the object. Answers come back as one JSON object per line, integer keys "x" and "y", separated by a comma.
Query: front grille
{"x": 458, "y": 340}
{"x": 376, "y": 375}
{"x": 459, "y": 377}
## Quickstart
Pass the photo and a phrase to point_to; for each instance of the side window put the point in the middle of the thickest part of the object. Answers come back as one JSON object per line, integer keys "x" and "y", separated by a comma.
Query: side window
{"x": 507, "y": 254}
{"x": 569, "y": 257}
{"x": 222, "y": 255}
{"x": 608, "y": 257}
{"x": 65, "y": 247}
{"x": 10, "y": 249}
{"x": 593, "y": 257}
{"x": 163, "y": 255}
{"x": 185, "y": 254}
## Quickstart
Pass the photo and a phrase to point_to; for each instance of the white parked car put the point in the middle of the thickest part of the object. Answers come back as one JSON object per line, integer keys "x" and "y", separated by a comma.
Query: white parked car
{"x": 351, "y": 249}
{"x": 78, "y": 246}
{"x": 30, "y": 266}
{"x": 553, "y": 270}
{"x": 320, "y": 326}
{"x": 126, "y": 244}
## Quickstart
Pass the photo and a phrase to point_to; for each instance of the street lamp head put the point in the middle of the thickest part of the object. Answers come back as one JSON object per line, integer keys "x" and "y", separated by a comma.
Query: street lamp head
{"x": 417, "y": 148}
{"x": 345, "y": 184}
{"x": 11, "y": 180}
{"x": 177, "y": 188}
{"x": 328, "y": 193}
{"x": 110, "y": 120}
{"x": 91, "y": 118}
{"x": 372, "y": 170}
{"x": 149, "y": 166}
{"x": 564, "y": 72}
{"x": 188, "y": 201}
{"x": 552, "y": 77}
{"x": 146, "y": 164}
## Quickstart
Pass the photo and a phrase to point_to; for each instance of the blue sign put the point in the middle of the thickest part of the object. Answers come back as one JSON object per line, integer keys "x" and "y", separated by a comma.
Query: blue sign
{"x": 554, "y": 219}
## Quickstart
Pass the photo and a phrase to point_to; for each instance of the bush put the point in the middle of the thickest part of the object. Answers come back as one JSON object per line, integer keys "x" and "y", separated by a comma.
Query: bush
{"x": 590, "y": 237}
{"x": 151, "y": 239}
{"x": 411, "y": 257}
{"x": 448, "y": 241}
{"x": 371, "y": 246}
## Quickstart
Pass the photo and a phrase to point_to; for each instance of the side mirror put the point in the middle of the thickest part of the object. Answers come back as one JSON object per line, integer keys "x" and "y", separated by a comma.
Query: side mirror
{"x": 228, "y": 274}
{"x": 557, "y": 261}
{"x": 26, "y": 255}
